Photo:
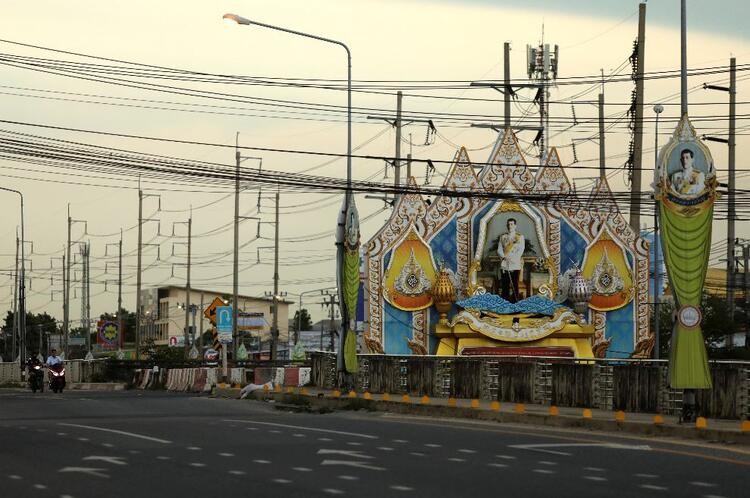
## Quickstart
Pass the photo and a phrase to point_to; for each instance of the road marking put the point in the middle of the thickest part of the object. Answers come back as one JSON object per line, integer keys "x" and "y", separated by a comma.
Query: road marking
{"x": 713, "y": 496}
{"x": 333, "y": 491}
{"x": 263, "y": 462}
{"x": 14, "y": 477}
{"x": 252, "y": 428}
{"x": 302, "y": 428}
{"x": 108, "y": 445}
{"x": 299, "y": 435}
{"x": 385, "y": 448}
{"x": 40, "y": 486}
{"x": 84, "y": 439}
{"x": 398, "y": 487}
{"x": 433, "y": 445}
{"x": 282, "y": 481}
{"x": 226, "y": 454}
{"x": 109, "y": 459}
{"x": 702, "y": 484}
{"x": 594, "y": 469}
{"x": 122, "y": 433}
{"x": 354, "y": 443}
{"x": 275, "y": 431}
{"x": 546, "y": 462}
{"x": 193, "y": 448}
{"x": 197, "y": 464}
{"x": 400, "y": 441}
{"x": 350, "y": 453}
{"x": 544, "y": 471}
{"x": 302, "y": 469}
{"x": 466, "y": 451}
{"x": 134, "y": 452}
{"x": 497, "y": 465}
{"x": 505, "y": 457}
{"x": 454, "y": 459}
{"x": 348, "y": 478}
{"x": 416, "y": 453}
{"x": 544, "y": 447}
{"x": 347, "y": 463}
{"x": 646, "y": 476}
{"x": 92, "y": 471}
{"x": 236, "y": 472}
{"x": 325, "y": 439}
{"x": 162, "y": 457}
{"x": 595, "y": 478}
{"x": 62, "y": 433}
{"x": 653, "y": 487}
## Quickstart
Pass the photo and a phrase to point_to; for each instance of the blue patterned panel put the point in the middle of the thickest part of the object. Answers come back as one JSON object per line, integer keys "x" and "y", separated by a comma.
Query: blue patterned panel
{"x": 443, "y": 245}
{"x": 475, "y": 224}
{"x": 397, "y": 330}
{"x": 387, "y": 259}
{"x": 620, "y": 328}
{"x": 572, "y": 247}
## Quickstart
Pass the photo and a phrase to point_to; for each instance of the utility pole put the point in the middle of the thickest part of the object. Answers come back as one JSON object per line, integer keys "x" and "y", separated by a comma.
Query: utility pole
{"x": 602, "y": 168}
{"x": 120, "y": 326}
{"x": 746, "y": 259}
{"x": 683, "y": 59}
{"x": 658, "y": 109}
{"x": 85, "y": 305}
{"x": 187, "y": 285}
{"x": 200, "y": 341}
{"x": 540, "y": 63}
{"x": 66, "y": 305}
{"x": 235, "y": 263}
{"x": 275, "y": 331}
{"x": 397, "y": 159}
{"x": 506, "y": 79}
{"x": 15, "y": 304}
{"x": 138, "y": 307}
{"x": 635, "y": 184}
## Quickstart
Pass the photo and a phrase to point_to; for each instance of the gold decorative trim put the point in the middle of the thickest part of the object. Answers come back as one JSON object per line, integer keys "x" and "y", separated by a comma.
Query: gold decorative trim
{"x": 491, "y": 327}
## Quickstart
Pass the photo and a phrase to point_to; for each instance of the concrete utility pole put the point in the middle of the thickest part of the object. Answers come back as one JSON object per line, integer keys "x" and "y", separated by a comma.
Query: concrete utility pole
{"x": 66, "y": 305}
{"x": 275, "y": 327}
{"x": 235, "y": 262}
{"x": 746, "y": 259}
{"x": 602, "y": 168}
{"x": 635, "y": 184}
{"x": 138, "y": 307}
{"x": 506, "y": 79}
{"x": 731, "y": 187}
{"x": 187, "y": 286}
{"x": 683, "y": 59}
{"x": 397, "y": 159}
{"x": 15, "y": 305}
{"x": 200, "y": 340}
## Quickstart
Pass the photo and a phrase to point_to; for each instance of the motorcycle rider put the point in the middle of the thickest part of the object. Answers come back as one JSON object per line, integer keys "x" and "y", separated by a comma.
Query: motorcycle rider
{"x": 31, "y": 362}
{"x": 53, "y": 359}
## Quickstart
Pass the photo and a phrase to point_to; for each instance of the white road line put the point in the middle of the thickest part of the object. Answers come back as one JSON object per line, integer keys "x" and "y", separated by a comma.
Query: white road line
{"x": 275, "y": 431}
{"x": 385, "y": 448}
{"x": 653, "y": 487}
{"x": 114, "y": 460}
{"x": 544, "y": 471}
{"x": 14, "y": 477}
{"x": 545, "y": 448}
{"x": 302, "y": 428}
{"x": 115, "y": 431}
{"x": 83, "y": 439}
{"x": 282, "y": 481}
{"x": 193, "y": 448}
{"x": 546, "y": 462}
{"x": 92, "y": 471}
{"x": 702, "y": 484}
{"x": 595, "y": 478}
{"x": 333, "y": 491}
{"x": 398, "y": 487}
{"x": 236, "y": 472}
{"x": 226, "y": 454}
{"x": 505, "y": 457}
{"x": 62, "y": 433}
{"x": 349, "y": 453}
{"x": 348, "y": 463}
{"x": 162, "y": 457}
{"x": 399, "y": 441}
{"x": 263, "y": 462}
{"x": 252, "y": 428}
{"x": 40, "y": 486}
{"x": 108, "y": 445}
{"x": 299, "y": 435}
{"x": 713, "y": 496}
{"x": 416, "y": 453}
{"x": 197, "y": 464}
{"x": 433, "y": 445}
{"x": 354, "y": 443}
{"x": 594, "y": 469}
{"x": 302, "y": 469}
{"x": 454, "y": 459}
{"x": 466, "y": 451}
{"x": 325, "y": 439}
{"x": 497, "y": 465}
{"x": 348, "y": 478}
{"x": 134, "y": 452}
{"x": 646, "y": 476}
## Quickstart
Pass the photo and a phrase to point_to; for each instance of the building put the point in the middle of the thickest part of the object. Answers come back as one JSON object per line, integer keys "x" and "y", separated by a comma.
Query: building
{"x": 164, "y": 314}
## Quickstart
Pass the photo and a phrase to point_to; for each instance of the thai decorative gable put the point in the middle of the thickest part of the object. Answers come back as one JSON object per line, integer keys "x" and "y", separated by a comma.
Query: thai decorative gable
{"x": 507, "y": 164}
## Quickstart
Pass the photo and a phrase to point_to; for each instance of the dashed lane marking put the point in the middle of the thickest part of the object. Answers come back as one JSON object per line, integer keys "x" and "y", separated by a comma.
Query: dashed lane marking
{"x": 302, "y": 469}
{"x": 497, "y": 465}
{"x": 416, "y": 453}
{"x": 115, "y": 431}
{"x": 162, "y": 457}
{"x": 303, "y": 428}
{"x": 299, "y": 435}
{"x": 433, "y": 445}
{"x": 236, "y": 472}
{"x": 594, "y": 469}
{"x": 646, "y": 476}
{"x": 40, "y": 486}
{"x": 193, "y": 448}
{"x": 702, "y": 484}
{"x": 348, "y": 478}
{"x": 544, "y": 471}
{"x": 653, "y": 487}
{"x": 400, "y": 441}
{"x": 226, "y": 454}
{"x": 197, "y": 464}
{"x": 14, "y": 477}
{"x": 333, "y": 491}
{"x": 466, "y": 451}
{"x": 282, "y": 481}
{"x": 398, "y": 487}
{"x": 385, "y": 448}
{"x": 506, "y": 457}
{"x": 325, "y": 439}
{"x": 262, "y": 462}
{"x": 454, "y": 459}
{"x": 595, "y": 478}
{"x": 83, "y": 439}
{"x": 546, "y": 462}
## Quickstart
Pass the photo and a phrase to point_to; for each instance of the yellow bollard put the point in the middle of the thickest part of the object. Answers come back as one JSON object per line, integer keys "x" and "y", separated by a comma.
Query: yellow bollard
{"x": 265, "y": 389}
{"x": 745, "y": 426}
{"x": 701, "y": 423}
{"x": 620, "y": 416}
{"x": 495, "y": 406}
{"x": 406, "y": 398}
{"x": 475, "y": 403}
{"x": 452, "y": 402}
{"x": 386, "y": 397}
{"x": 658, "y": 420}
{"x": 352, "y": 394}
{"x": 290, "y": 390}
{"x": 303, "y": 391}
{"x": 554, "y": 411}
{"x": 587, "y": 413}
{"x": 367, "y": 395}
{"x": 277, "y": 388}
{"x": 520, "y": 408}
{"x": 425, "y": 400}
{"x": 336, "y": 393}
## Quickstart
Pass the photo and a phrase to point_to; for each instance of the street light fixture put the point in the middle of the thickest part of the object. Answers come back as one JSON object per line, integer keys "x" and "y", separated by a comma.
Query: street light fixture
{"x": 658, "y": 109}
{"x": 348, "y": 220}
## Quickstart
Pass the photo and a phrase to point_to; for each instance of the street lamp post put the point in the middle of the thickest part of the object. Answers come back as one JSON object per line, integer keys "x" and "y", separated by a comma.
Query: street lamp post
{"x": 658, "y": 109}
{"x": 22, "y": 284}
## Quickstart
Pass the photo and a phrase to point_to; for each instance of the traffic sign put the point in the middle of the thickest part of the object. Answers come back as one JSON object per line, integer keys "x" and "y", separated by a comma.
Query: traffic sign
{"x": 224, "y": 324}
{"x": 210, "y": 312}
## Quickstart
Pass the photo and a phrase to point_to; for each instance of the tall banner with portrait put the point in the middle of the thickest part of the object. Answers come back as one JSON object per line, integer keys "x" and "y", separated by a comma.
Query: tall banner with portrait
{"x": 686, "y": 188}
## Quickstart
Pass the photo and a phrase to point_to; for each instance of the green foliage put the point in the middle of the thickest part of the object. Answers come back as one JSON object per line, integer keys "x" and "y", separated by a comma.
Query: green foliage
{"x": 302, "y": 320}
{"x": 162, "y": 355}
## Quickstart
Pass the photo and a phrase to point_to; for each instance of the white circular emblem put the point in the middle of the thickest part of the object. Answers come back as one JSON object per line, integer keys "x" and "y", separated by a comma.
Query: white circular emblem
{"x": 689, "y": 316}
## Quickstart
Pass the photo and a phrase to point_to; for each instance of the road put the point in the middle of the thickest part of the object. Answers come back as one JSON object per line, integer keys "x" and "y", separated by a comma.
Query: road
{"x": 158, "y": 444}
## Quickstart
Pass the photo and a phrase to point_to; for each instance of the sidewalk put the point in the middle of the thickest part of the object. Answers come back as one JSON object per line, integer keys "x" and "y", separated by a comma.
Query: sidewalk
{"x": 714, "y": 430}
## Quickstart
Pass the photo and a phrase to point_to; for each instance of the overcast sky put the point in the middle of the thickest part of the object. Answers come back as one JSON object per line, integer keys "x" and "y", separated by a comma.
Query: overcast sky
{"x": 391, "y": 40}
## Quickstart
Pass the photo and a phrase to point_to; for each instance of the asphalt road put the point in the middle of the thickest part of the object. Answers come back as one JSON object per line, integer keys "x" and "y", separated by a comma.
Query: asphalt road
{"x": 157, "y": 444}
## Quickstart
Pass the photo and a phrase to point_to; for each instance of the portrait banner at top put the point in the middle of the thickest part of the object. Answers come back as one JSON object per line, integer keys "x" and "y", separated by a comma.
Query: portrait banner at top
{"x": 686, "y": 190}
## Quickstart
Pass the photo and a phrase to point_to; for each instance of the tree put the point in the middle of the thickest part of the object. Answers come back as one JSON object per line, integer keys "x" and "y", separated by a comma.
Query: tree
{"x": 302, "y": 320}
{"x": 38, "y": 326}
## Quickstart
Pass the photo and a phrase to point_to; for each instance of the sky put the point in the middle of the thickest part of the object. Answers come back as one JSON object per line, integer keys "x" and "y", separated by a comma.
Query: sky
{"x": 406, "y": 40}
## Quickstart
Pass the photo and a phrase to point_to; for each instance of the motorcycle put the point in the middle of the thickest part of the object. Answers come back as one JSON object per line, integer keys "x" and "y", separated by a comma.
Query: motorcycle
{"x": 56, "y": 375}
{"x": 36, "y": 378}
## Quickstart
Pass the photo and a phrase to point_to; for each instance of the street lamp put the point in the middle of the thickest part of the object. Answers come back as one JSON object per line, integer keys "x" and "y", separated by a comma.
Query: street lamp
{"x": 658, "y": 109}
{"x": 348, "y": 219}
{"x": 22, "y": 284}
